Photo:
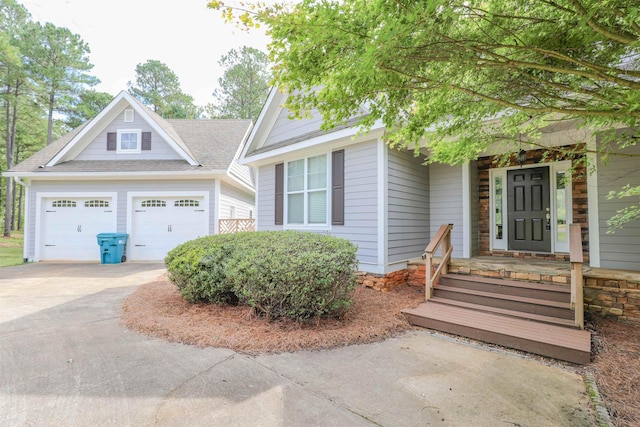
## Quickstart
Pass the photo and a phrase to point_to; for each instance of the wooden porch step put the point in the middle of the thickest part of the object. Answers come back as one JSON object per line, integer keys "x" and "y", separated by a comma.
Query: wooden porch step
{"x": 546, "y": 291}
{"x": 572, "y": 345}
{"x": 567, "y": 323}
{"x": 538, "y": 306}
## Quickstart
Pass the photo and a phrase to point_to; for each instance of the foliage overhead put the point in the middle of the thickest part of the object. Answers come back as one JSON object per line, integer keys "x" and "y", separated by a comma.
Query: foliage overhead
{"x": 158, "y": 87}
{"x": 244, "y": 86}
{"x": 438, "y": 73}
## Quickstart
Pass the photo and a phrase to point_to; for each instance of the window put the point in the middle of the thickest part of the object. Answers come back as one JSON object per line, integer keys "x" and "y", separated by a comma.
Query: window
{"x": 306, "y": 191}
{"x": 129, "y": 141}
{"x": 96, "y": 204}
{"x": 154, "y": 203}
{"x": 186, "y": 204}
{"x": 63, "y": 204}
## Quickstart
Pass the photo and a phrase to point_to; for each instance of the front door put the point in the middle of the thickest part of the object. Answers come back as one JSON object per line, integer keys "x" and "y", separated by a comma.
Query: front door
{"x": 528, "y": 211}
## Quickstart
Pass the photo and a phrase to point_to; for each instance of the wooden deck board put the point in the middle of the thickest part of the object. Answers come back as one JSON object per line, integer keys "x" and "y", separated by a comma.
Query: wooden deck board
{"x": 549, "y": 340}
{"x": 513, "y": 283}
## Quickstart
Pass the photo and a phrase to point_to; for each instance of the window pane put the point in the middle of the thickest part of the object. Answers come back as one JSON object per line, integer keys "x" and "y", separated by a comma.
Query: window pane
{"x": 128, "y": 141}
{"x": 295, "y": 208}
{"x": 561, "y": 206}
{"x": 317, "y": 178}
{"x": 497, "y": 197}
{"x": 318, "y": 207}
{"x": 295, "y": 175}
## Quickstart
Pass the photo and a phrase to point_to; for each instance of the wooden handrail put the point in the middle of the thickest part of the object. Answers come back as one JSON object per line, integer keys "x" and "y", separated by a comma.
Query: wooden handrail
{"x": 443, "y": 236}
{"x": 577, "y": 278}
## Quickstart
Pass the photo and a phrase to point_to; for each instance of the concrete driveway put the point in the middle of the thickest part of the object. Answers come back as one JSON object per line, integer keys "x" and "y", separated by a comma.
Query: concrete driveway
{"x": 65, "y": 359}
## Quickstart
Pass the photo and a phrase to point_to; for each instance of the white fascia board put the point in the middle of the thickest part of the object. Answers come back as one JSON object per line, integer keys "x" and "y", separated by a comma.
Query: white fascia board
{"x": 342, "y": 137}
{"x": 105, "y": 176}
{"x": 238, "y": 182}
{"x": 61, "y": 154}
{"x": 106, "y": 112}
{"x": 265, "y": 121}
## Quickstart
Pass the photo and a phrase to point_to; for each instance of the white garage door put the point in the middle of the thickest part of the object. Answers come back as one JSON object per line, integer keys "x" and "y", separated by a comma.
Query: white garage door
{"x": 70, "y": 226}
{"x": 159, "y": 224}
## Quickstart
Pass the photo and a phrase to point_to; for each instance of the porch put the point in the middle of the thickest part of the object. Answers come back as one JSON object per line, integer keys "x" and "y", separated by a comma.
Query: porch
{"x": 523, "y": 303}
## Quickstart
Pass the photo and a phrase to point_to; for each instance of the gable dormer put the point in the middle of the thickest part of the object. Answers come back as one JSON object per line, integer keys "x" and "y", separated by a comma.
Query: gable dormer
{"x": 125, "y": 130}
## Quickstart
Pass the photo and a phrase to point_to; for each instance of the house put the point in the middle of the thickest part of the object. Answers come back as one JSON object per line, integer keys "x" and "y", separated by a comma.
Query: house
{"x": 508, "y": 222}
{"x": 130, "y": 171}
{"x": 390, "y": 204}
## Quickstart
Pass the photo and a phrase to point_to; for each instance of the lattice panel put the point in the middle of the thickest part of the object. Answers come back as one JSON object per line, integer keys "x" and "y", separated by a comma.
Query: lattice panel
{"x": 228, "y": 226}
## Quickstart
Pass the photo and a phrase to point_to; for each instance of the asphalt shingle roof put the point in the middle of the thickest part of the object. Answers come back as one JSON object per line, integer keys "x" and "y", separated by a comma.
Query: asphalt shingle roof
{"x": 212, "y": 143}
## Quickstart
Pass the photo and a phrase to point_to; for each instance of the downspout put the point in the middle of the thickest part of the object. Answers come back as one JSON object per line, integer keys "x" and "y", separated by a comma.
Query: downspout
{"x": 26, "y": 185}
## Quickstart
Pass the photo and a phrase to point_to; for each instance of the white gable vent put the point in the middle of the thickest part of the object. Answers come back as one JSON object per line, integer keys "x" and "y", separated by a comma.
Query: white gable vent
{"x": 128, "y": 115}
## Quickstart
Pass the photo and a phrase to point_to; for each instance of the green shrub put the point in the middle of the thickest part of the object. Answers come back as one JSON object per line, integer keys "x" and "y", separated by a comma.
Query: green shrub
{"x": 298, "y": 275}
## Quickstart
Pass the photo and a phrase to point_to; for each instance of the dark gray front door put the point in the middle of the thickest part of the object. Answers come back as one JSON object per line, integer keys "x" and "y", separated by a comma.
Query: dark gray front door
{"x": 528, "y": 209}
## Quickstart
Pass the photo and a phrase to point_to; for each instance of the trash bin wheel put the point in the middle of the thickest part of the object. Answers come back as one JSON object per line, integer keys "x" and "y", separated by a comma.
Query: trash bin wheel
{"x": 123, "y": 259}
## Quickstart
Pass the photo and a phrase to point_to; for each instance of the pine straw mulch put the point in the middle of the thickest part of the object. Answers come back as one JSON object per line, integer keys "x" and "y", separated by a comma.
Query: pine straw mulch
{"x": 615, "y": 363}
{"x": 158, "y": 310}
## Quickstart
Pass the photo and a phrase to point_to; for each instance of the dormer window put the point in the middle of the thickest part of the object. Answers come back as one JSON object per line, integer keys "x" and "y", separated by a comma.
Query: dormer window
{"x": 129, "y": 141}
{"x": 128, "y": 115}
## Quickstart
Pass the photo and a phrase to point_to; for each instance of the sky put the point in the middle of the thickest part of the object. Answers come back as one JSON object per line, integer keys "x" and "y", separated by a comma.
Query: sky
{"x": 183, "y": 34}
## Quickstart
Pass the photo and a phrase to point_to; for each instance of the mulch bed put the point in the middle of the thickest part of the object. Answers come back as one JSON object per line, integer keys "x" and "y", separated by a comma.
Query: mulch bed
{"x": 158, "y": 310}
{"x": 616, "y": 367}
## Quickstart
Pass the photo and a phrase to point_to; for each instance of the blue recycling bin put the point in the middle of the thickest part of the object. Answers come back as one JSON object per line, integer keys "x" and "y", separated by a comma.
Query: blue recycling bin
{"x": 112, "y": 247}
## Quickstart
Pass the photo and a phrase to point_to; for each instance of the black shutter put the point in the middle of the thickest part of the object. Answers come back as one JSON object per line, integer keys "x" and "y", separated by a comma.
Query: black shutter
{"x": 337, "y": 187}
{"x": 112, "y": 141}
{"x": 279, "y": 213}
{"x": 146, "y": 141}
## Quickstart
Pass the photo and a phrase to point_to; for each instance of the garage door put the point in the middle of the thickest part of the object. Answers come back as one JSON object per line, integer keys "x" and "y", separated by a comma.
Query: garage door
{"x": 159, "y": 224}
{"x": 70, "y": 226}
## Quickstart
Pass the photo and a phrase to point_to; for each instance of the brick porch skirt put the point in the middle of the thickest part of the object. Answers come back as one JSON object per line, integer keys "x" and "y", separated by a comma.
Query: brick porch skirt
{"x": 617, "y": 297}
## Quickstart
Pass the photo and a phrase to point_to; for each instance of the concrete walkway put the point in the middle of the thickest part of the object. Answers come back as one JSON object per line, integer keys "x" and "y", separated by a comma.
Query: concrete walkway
{"x": 65, "y": 359}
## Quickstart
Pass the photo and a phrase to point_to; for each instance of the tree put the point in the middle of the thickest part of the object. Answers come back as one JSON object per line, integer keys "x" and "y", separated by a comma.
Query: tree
{"x": 158, "y": 87}
{"x": 90, "y": 104}
{"x": 244, "y": 86}
{"x": 58, "y": 60}
{"x": 438, "y": 73}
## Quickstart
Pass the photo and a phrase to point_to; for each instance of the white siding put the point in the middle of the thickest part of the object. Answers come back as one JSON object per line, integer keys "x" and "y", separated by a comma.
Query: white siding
{"x": 285, "y": 128}
{"x": 241, "y": 202}
{"x": 407, "y": 206}
{"x": 121, "y": 188}
{"x": 97, "y": 149}
{"x": 622, "y": 248}
{"x": 361, "y": 201}
{"x": 445, "y": 198}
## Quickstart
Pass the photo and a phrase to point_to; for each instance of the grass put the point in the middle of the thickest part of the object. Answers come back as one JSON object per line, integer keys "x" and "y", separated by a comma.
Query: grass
{"x": 11, "y": 249}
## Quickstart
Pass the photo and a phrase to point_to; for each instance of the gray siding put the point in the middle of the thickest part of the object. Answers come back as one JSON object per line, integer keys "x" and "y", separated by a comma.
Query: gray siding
{"x": 239, "y": 200}
{"x": 407, "y": 206}
{"x": 97, "y": 149}
{"x": 265, "y": 199}
{"x": 445, "y": 198}
{"x": 285, "y": 128}
{"x": 622, "y": 248}
{"x": 119, "y": 187}
{"x": 361, "y": 201}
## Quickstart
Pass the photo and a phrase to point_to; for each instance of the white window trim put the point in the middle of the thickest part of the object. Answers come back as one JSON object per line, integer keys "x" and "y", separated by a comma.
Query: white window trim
{"x": 554, "y": 167}
{"x": 306, "y": 225}
{"x": 119, "y": 148}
